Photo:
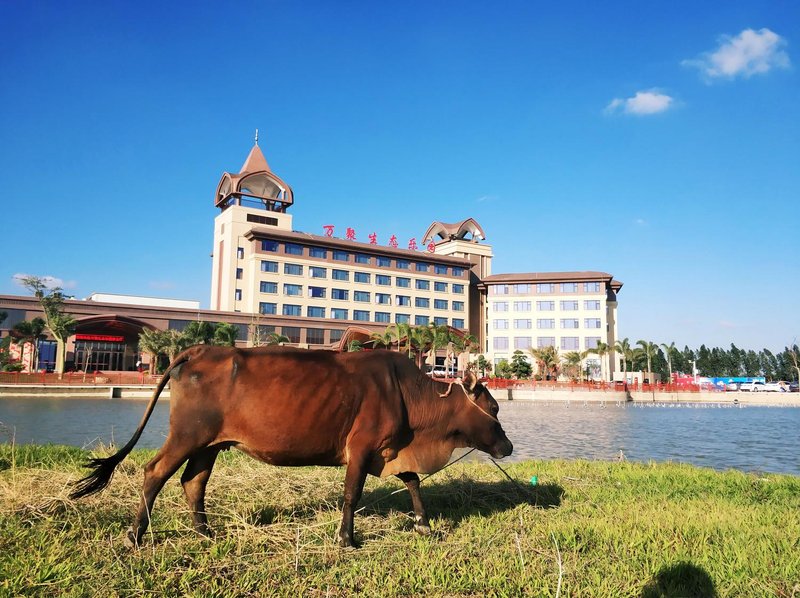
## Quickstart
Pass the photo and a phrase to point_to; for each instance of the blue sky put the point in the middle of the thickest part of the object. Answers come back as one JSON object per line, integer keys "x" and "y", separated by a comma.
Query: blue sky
{"x": 655, "y": 141}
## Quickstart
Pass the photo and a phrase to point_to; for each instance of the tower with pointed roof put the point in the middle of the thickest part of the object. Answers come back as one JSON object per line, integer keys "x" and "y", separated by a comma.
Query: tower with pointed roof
{"x": 255, "y": 197}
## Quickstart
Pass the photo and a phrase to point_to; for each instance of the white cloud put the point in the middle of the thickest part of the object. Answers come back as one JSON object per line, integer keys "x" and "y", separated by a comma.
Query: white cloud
{"x": 483, "y": 198}
{"x": 50, "y": 282}
{"x": 643, "y": 103}
{"x": 749, "y": 53}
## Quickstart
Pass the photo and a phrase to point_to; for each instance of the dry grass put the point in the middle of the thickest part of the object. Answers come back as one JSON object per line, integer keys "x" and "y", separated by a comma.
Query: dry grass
{"x": 587, "y": 529}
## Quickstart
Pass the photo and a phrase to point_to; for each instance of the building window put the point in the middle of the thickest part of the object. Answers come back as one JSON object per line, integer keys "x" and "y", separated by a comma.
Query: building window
{"x": 569, "y": 305}
{"x": 383, "y": 280}
{"x": 338, "y": 313}
{"x": 591, "y": 287}
{"x": 240, "y": 253}
{"x": 268, "y": 287}
{"x": 293, "y": 269}
{"x": 383, "y": 316}
{"x": 545, "y": 287}
{"x": 239, "y": 273}
{"x": 361, "y": 296}
{"x": 262, "y": 220}
{"x": 292, "y": 310}
{"x": 403, "y": 282}
{"x": 570, "y": 343}
{"x": 545, "y": 323}
{"x": 570, "y": 323}
{"x": 440, "y": 287}
{"x": 521, "y": 289}
{"x": 315, "y": 312}
{"x": 269, "y": 246}
{"x": 383, "y": 299}
{"x": 522, "y": 306}
{"x": 545, "y": 341}
{"x": 458, "y": 289}
{"x": 315, "y": 336}
{"x": 500, "y": 289}
{"x": 340, "y": 256}
{"x": 363, "y": 259}
{"x": 500, "y": 324}
{"x": 269, "y": 266}
{"x": 292, "y": 333}
{"x": 457, "y": 271}
{"x": 384, "y": 262}
{"x": 293, "y": 249}
{"x": 569, "y": 287}
{"x": 440, "y": 269}
{"x": 458, "y": 306}
{"x": 440, "y": 304}
{"x": 522, "y": 324}
{"x": 591, "y": 305}
{"x": 422, "y": 267}
{"x": 237, "y": 295}
{"x": 591, "y": 323}
{"x": 439, "y": 321}
{"x": 318, "y": 252}
{"x": 336, "y": 335}
{"x": 591, "y": 342}
{"x": 402, "y": 319}
{"x": 361, "y": 315}
{"x": 522, "y": 342}
{"x": 341, "y": 275}
{"x": 422, "y": 285}
{"x": 402, "y": 264}
{"x": 546, "y": 305}
{"x": 316, "y": 292}
{"x": 500, "y": 343}
{"x": 500, "y": 306}
{"x": 362, "y": 277}
{"x": 317, "y": 272}
{"x": 421, "y": 320}
{"x": 422, "y": 302}
{"x": 295, "y": 290}
{"x": 458, "y": 323}
{"x": 402, "y": 301}
{"x": 340, "y": 294}
{"x": 268, "y": 309}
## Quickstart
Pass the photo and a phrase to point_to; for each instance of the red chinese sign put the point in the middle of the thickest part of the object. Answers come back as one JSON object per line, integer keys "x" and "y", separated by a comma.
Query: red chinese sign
{"x": 350, "y": 235}
{"x": 104, "y": 338}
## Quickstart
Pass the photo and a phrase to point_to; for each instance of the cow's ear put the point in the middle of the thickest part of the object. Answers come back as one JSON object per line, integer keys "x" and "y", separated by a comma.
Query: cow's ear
{"x": 469, "y": 381}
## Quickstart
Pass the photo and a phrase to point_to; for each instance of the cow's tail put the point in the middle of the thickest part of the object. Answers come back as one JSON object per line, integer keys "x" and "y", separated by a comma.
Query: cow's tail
{"x": 103, "y": 468}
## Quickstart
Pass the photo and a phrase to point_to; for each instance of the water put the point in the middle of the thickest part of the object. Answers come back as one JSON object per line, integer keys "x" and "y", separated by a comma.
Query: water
{"x": 723, "y": 437}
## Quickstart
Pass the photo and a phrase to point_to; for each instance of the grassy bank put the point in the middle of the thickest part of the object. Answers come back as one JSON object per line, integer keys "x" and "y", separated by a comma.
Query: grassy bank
{"x": 597, "y": 529}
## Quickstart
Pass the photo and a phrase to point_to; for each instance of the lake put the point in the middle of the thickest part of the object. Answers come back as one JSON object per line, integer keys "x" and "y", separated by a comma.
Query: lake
{"x": 722, "y": 437}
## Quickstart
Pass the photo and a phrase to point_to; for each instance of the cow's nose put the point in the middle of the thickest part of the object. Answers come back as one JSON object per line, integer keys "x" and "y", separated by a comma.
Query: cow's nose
{"x": 503, "y": 449}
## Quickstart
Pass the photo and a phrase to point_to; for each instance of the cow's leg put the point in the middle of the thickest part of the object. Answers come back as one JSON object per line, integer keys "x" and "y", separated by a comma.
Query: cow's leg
{"x": 156, "y": 473}
{"x": 353, "y": 487}
{"x": 421, "y": 524}
{"x": 194, "y": 480}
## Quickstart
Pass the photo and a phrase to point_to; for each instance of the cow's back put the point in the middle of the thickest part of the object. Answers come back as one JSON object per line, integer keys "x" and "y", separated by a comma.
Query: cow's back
{"x": 286, "y": 406}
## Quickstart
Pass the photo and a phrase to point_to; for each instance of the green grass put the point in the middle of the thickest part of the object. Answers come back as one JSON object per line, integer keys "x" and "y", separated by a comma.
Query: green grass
{"x": 602, "y": 529}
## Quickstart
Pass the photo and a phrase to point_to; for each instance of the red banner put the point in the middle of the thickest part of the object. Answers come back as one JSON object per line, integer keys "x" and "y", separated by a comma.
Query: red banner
{"x": 105, "y": 338}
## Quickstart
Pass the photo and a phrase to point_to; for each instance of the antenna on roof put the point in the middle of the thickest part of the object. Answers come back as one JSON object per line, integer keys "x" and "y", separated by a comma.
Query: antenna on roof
{"x": 256, "y": 136}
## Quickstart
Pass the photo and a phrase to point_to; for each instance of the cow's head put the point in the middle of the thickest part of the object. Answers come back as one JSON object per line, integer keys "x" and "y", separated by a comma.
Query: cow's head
{"x": 477, "y": 421}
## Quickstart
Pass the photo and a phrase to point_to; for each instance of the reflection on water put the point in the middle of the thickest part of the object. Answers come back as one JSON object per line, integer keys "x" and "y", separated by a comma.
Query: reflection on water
{"x": 722, "y": 437}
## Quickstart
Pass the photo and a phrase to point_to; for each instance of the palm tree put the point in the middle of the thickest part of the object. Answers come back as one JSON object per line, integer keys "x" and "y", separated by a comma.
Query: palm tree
{"x": 154, "y": 343}
{"x": 623, "y": 347}
{"x": 648, "y": 350}
{"x": 572, "y": 360}
{"x": 30, "y": 332}
{"x": 198, "y": 332}
{"x": 547, "y": 360}
{"x": 400, "y": 332}
{"x": 354, "y": 346}
{"x": 421, "y": 339}
{"x": 225, "y": 334}
{"x": 275, "y": 338}
{"x": 601, "y": 350}
{"x": 384, "y": 339}
{"x": 668, "y": 350}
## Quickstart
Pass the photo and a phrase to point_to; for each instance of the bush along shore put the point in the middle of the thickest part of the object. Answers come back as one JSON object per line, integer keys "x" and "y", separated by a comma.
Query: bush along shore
{"x": 584, "y": 529}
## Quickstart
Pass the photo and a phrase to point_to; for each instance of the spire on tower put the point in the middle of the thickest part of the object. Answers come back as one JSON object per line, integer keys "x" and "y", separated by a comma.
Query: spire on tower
{"x": 256, "y": 136}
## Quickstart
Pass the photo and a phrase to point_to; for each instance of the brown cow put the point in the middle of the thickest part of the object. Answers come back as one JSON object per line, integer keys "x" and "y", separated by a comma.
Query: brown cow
{"x": 372, "y": 411}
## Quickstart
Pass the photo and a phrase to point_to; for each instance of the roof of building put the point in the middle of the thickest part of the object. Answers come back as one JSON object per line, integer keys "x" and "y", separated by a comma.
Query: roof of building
{"x": 255, "y": 162}
{"x": 336, "y": 243}
{"x": 456, "y": 230}
{"x": 522, "y": 277}
{"x": 255, "y": 179}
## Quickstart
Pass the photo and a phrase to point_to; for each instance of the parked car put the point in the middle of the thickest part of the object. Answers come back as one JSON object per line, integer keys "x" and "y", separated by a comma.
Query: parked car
{"x": 751, "y": 386}
{"x": 764, "y": 387}
{"x": 776, "y": 387}
{"x": 793, "y": 387}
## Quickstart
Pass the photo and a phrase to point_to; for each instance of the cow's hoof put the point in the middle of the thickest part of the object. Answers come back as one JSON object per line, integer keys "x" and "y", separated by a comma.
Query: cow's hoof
{"x": 422, "y": 529}
{"x": 130, "y": 540}
{"x": 205, "y": 531}
{"x": 347, "y": 542}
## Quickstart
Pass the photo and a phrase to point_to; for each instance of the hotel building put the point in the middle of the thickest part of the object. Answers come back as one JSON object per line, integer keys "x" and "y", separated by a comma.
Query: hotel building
{"x": 267, "y": 277}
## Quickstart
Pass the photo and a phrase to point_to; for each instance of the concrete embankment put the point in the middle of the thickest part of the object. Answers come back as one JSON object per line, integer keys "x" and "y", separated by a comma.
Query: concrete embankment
{"x": 587, "y": 396}
{"x": 74, "y": 391}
